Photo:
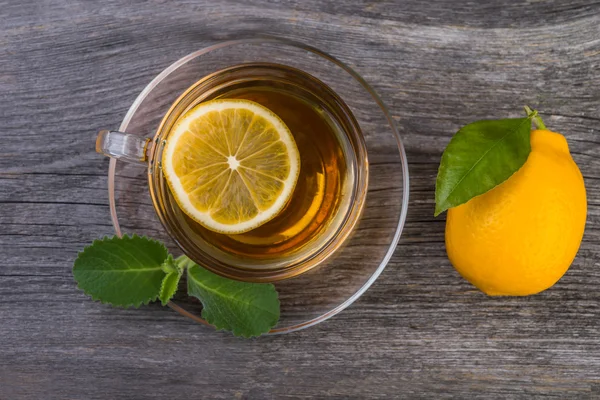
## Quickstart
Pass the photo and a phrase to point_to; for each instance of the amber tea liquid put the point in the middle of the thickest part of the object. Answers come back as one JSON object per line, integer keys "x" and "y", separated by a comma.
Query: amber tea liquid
{"x": 326, "y": 190}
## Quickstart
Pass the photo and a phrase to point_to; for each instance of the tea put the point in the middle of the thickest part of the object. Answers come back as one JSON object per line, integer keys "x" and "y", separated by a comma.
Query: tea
{"x": 327, "y": 189}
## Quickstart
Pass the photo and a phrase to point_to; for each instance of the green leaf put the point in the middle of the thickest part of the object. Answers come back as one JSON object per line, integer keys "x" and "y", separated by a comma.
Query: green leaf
{"x": 123, "y": 271}
{"x": 169, "y": 287}
{"x": 170, "y": 265}
{"x": 246, "y": 309}
{"x": 479, "y": 157}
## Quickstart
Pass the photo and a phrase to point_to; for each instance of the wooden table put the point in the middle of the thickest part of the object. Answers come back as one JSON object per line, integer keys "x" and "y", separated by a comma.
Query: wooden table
{"x": 68, "y": 68}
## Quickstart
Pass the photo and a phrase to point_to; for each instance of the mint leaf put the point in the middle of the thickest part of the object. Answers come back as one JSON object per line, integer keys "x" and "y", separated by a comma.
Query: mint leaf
{"x": 169, "y": 286}
{"x": 479, "y": 157}
{"x": 123, "y": 271}
{"x": 170, "y": 265}
{"x": 246, "y": 309}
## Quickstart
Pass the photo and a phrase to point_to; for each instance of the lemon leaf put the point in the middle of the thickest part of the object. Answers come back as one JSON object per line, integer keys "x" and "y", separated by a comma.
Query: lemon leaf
{"x": 123, "y": 271}
{"x": 246, "y": 309}
{"x": 479, "y": 157}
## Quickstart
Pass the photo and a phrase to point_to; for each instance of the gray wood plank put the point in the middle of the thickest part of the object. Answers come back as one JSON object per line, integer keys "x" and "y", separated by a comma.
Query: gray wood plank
{"x": 68, "y": 68}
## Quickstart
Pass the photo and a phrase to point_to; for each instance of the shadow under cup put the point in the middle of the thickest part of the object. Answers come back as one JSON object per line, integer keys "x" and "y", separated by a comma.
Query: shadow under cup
{"x": 205, "y": 247}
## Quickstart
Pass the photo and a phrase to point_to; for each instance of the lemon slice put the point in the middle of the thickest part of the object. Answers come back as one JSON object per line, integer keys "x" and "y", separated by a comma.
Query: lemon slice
{"x": 232, "y": 165}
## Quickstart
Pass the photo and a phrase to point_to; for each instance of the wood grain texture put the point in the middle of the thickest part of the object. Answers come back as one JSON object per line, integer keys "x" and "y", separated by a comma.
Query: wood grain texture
{"x": 68, "y": 68}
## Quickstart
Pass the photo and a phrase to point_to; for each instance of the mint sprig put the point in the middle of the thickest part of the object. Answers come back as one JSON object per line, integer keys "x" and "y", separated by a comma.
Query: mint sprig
{"x": 131, "y": 271}
{"x": 480, "y": 156}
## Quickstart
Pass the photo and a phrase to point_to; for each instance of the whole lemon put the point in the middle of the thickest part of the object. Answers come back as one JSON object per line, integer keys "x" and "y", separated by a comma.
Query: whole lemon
{"x": 521, "y": 237}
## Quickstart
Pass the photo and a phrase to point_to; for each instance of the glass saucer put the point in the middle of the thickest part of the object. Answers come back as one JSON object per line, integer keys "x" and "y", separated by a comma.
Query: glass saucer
{"x": 324, "y": 291}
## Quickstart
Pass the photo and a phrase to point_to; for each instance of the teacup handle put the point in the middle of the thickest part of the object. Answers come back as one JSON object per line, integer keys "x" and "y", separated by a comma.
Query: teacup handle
{"x": 123, "y": 146}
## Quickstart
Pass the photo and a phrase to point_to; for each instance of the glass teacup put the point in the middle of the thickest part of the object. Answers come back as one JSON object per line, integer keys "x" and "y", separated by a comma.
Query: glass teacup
{"x": 328, "y": 197}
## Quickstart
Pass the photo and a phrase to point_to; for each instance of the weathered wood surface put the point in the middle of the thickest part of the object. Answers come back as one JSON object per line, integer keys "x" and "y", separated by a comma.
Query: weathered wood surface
{"x": 68, "y": 68}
